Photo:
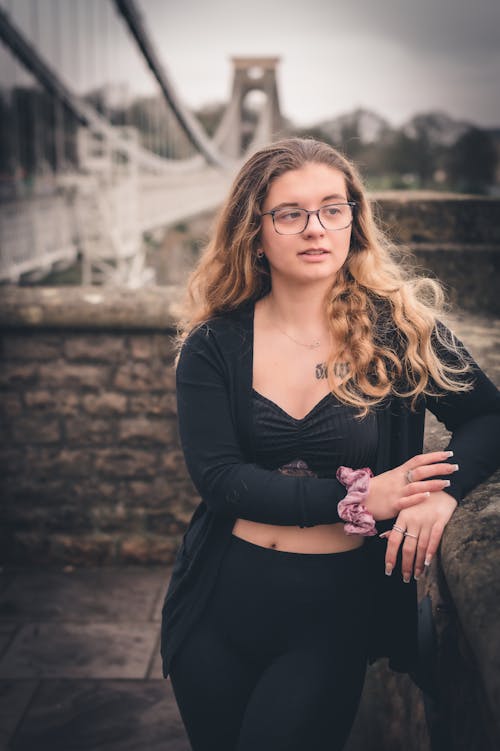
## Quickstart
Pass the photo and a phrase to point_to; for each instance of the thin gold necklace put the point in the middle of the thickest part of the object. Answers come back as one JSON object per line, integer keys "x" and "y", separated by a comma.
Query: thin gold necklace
{"x": 313, "y": 345}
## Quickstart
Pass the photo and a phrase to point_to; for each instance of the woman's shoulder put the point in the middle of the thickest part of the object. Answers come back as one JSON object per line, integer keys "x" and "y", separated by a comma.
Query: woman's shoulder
{"x": 227, "y": 331}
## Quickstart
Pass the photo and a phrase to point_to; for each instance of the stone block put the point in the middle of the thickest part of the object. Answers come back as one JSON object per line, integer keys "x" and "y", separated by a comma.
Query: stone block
{"x": 149, "y": 403}
{"x": 15, "y": 697}
{"x": 137, "y": 489}
{"x": 144, "y": 376}
{"x": 27, "y": 515}
{"x": 92, "y": 347}
{"x": 115, "y": 518}
{"x": 159, "y": 522}
{"x": 125, "y": 462}
{"x": 28, "y": 429}
{"x": 145, "y": 430}
{"x": 75, "y": 650}
{"x": 92, "y": 549}
{"x": 139, "y": 376}
{"x": 12, "y": 462}
{"x": 154, "y": 492}
{"x": 98, "y": 594}
{"x": 23, "y": 489}
{"x": 142, "y": 347}
{"x": 105, "y": 403}
{"x": 173, "y": 461}
{"x": 10, "y": 404}
{"x": 84, "y": 431}
{"x": 46, "y": 463}
{"x": 26, "y": 548}
{"x": 169, "y": 378}
{"x": 18, "y": 373}
{"x": 60, "y": 402}
{"x": 63, "y": 374}
{"x": 92, "y": 714}
{"x": 390, "y": 716}
{"x": 26, "y": 346}
{"x": 147, "y": 549}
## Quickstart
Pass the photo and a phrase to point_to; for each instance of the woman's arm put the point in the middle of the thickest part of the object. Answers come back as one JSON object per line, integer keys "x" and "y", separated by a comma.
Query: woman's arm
{"x": 226, "y": 481}
{"x": 473, "y": 418}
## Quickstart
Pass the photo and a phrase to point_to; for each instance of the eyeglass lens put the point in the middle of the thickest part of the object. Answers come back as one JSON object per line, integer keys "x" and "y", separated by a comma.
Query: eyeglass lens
{"x": 289, "y": 221}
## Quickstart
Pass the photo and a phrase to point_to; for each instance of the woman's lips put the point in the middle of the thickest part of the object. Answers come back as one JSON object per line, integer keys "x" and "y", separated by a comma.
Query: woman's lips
{"x": 314, "y": 252}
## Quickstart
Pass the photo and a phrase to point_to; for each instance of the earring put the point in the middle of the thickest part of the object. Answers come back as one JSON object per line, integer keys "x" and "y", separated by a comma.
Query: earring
{"x": 260, "y": 254}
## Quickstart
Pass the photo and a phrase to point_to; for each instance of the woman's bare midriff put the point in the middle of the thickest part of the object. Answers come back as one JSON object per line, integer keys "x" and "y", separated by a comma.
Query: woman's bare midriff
{"x": 322, "y": 538}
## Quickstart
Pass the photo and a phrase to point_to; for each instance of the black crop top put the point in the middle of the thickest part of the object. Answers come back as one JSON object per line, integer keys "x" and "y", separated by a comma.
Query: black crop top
{"x": 328, "y": 437}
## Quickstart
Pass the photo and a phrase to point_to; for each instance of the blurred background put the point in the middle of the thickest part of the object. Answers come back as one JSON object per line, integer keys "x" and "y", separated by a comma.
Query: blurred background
{"x": 112, "y": 115}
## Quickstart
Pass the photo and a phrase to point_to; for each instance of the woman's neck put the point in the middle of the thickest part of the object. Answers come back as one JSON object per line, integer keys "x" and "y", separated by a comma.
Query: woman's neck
{"x": 299, "y": 311}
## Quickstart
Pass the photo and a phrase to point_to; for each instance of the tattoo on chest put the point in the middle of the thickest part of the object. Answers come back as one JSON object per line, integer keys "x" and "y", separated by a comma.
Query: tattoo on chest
{"x": 340, "y": 369}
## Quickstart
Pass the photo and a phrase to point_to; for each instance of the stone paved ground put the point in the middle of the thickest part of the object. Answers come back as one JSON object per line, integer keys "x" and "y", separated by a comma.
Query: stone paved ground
{"x": 79, "y": 648}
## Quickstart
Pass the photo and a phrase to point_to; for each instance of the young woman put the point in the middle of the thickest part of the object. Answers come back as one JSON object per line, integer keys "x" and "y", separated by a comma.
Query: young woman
{"x": 308, "y": 359}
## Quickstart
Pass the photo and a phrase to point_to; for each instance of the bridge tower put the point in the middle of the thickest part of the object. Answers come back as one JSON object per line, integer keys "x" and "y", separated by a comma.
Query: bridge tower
{"x": 250, "y": 74}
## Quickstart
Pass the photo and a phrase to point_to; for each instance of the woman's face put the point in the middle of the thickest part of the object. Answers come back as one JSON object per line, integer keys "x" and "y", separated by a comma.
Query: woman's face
{"x": 314, "y": 254}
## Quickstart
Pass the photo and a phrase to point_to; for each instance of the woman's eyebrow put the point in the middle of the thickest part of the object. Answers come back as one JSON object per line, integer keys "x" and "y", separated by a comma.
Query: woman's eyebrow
{"x": 294, "y": 203}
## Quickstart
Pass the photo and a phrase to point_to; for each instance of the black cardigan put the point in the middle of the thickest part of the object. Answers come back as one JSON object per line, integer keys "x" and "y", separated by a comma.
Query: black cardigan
{"x": 214, "y": 390}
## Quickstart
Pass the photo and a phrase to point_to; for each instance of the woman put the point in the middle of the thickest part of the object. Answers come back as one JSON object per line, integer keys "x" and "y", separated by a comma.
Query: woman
{"x": 308, "y": 358}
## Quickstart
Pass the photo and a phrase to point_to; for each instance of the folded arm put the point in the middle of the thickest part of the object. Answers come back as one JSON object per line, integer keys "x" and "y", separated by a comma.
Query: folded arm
{"x": 227, "y": 482}
{"x": 473, "y": 418}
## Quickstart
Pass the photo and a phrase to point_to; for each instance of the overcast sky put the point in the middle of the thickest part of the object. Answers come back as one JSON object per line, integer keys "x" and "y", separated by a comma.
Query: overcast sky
{"x": 395, "y": 57}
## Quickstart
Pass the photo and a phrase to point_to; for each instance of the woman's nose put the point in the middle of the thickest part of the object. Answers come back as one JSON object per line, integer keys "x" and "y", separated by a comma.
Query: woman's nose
{"x": 314, "y": 226}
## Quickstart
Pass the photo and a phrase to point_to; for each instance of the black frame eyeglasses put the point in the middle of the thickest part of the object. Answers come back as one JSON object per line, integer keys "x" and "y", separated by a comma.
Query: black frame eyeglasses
{"x": 305, "y": 213}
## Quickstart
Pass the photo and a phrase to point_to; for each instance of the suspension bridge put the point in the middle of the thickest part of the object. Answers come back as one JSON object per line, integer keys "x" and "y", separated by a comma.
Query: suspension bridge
{"x": 88, "y": 167}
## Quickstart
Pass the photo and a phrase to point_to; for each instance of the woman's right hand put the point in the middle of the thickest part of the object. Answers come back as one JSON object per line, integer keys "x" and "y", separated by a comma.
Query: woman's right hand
{"x": 390, "y": 492}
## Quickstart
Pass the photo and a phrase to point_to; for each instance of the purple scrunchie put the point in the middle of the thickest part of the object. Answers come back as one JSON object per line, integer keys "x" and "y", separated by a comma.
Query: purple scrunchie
{"x": 350, "y": 508}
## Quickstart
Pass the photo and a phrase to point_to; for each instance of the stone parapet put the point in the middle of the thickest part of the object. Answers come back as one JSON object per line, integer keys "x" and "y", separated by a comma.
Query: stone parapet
{"x": 464, "y": 590}
{"x": 91, "y": 467}
{"x": 413, "y": 217}
{"x": 81, "y": 307}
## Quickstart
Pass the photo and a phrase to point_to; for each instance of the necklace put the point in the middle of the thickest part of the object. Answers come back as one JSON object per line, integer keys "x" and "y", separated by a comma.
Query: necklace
{"x": 313, "y": 345}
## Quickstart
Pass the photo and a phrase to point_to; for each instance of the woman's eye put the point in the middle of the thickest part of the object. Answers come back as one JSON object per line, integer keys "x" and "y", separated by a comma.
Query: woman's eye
{"x": 331, "y": 210}
{"x": 288, "y": 216}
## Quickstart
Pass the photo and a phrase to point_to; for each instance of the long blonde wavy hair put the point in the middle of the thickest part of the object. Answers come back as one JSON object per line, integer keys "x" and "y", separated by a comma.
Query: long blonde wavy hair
{"x": 381, "y": 315}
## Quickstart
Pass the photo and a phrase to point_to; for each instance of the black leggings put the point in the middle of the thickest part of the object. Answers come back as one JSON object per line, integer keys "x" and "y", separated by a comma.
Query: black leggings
{"x": 277, "y": 660}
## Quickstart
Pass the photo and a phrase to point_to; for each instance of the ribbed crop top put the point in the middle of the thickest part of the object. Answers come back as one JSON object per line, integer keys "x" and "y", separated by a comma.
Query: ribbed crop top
{"x": 327, "y": 437}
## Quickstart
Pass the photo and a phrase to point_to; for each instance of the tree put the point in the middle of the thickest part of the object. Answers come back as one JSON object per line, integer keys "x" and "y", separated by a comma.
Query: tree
{"x": 472, "y": 161}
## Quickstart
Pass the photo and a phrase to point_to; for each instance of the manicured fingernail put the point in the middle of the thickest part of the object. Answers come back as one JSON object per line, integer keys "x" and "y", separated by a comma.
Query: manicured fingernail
{"x": 416, "y": 575}
{"x": 447, "y": 484}
{"x": 427, "y": 492}
{"x": 388, "y": 569}
{"x": 449, "y": 453}
{"x": 406, "y": 579}
{"x": 455, "y": 467}
{"x": 427, "y": 561}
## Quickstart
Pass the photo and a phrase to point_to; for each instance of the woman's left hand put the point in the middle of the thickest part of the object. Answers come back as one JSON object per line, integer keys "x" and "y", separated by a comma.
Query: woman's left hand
{"x": 426, "y": 521}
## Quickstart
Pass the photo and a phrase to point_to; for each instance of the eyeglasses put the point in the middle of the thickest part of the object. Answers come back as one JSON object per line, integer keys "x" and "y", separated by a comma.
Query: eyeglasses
{"x": 293, "y": 221}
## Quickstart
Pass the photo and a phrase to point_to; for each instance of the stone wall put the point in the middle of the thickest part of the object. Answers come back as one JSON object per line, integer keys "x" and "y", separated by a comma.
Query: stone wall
{"x": 463, "y": 591}
{"x": 91, "y": 466}
{"x": 454, "y": 238}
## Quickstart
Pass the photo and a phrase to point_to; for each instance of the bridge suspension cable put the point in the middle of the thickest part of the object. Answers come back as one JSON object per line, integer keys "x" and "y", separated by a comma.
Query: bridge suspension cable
{"x": 85, "y": 167}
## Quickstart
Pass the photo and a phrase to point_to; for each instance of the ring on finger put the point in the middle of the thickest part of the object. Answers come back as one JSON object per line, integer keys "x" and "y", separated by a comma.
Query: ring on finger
{"x": 408, "y": 477}
{"x": 398, "y": 529}
{"x": 409, "y": 534}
